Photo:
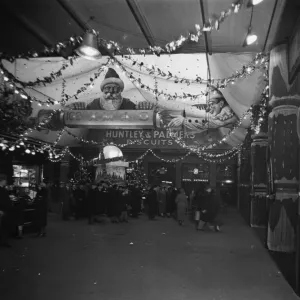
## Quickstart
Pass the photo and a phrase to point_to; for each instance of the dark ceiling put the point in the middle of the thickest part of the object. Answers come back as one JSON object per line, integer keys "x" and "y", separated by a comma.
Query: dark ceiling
{"x": 31, "y": 24}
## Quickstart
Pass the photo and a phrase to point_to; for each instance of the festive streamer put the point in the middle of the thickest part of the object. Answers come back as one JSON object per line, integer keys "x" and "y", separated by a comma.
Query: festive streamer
{"x": 44, "y": 81}
{"x": 260, "y": 61}
{"x": 137, "y": 82}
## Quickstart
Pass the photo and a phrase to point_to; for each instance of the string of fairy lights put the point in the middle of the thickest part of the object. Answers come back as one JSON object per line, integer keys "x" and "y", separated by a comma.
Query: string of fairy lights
{"x": 94, "y": 161}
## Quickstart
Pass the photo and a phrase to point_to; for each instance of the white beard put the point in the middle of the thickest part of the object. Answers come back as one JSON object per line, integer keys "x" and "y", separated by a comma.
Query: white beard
{"x": 111, "y": 104}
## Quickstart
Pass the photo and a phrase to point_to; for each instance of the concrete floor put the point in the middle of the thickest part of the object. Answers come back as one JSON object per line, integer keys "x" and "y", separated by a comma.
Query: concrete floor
{"x": 141, "y": 260}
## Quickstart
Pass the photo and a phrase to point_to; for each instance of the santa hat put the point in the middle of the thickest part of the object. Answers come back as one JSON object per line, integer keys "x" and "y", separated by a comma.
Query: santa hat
{"x": 112, "y": 77}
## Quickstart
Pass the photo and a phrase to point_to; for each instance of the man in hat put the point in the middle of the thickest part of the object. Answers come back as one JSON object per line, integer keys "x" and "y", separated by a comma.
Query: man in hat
{"x": 218, "y": 114}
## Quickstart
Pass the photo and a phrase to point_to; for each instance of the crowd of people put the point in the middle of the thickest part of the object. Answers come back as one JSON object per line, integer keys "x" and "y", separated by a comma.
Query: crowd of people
{"x": 98, "y": 202}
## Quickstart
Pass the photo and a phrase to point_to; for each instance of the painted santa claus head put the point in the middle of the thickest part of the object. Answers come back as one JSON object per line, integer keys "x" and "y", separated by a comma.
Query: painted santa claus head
{"x": 112, "y": 87}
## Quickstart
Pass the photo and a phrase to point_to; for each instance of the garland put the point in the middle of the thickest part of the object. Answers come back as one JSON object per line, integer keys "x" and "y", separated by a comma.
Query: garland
{"x": 260, "y": 61}
{"x": 260, "y": 112}
{"x": 45, "y": 80}
{"x": 137, "y": 82}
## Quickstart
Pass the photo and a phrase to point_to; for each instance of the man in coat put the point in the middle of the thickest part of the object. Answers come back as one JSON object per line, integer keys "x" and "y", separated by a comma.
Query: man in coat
{"x": 208, "y": 210}
{"x": 5, "y": 208}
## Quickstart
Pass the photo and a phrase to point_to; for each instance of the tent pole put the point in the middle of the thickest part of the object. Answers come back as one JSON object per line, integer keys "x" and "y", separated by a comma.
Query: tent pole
{"x": 207, "y": 51}
{"x": 141, "y": 21}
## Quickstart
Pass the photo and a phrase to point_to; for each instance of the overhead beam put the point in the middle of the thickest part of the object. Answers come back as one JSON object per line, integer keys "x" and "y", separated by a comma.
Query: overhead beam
{"x": 207, "y": 36}
{"x": 271, "y": 23}
{"x": 205, "y": 39}
{"x": 74, "y": 15}
{"x": 141, "y": 21}
{"x": 41, "y": 35}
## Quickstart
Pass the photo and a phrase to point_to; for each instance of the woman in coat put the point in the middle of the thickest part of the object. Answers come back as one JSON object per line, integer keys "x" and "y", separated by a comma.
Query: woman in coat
{"x": 182, "y": 204}
{"x": 41, "y": 209}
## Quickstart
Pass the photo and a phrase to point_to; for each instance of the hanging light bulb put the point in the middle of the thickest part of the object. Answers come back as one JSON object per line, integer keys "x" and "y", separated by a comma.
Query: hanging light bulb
{"x": 89, "y": 47}
{"x": 27, "y": 151}
{"x": 254, "y": 2}
{"x": 250, "y": 38}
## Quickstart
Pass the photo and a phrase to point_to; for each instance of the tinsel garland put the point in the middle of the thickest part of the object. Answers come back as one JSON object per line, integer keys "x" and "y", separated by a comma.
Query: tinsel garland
{"x": 260, "y": 61}
{"x": 138, "y": 82}
{"x": 39, "y": 81}
{"x": 14, "y": 112}
{"x": 260, "y": 112}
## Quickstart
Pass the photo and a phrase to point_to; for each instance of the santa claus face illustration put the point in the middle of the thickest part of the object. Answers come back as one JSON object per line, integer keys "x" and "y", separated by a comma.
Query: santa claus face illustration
{"x": 111, "y": 87}
{"x": 112, "y": 97}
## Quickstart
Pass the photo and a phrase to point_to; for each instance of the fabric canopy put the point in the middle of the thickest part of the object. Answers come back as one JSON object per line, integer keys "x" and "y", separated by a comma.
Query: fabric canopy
{"x": 240, "y": 96}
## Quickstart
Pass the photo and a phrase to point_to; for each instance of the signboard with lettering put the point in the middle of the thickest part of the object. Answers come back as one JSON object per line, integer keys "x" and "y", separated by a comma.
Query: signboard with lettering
{"x": 151, "y": 138}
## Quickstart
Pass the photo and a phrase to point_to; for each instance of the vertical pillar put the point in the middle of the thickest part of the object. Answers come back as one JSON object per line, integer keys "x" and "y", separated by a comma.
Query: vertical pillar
{"x": 178, "y": 173}
{"x": 259, "y": 180}
{"x": 284, "y": 101}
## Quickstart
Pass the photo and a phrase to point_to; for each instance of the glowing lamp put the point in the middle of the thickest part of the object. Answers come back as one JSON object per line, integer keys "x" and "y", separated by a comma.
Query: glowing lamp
{"x": 111, "y": 151}
{"x": 254, "y": 2}
{"x": 250, "y": 38}
{"x": 89, "y": 47}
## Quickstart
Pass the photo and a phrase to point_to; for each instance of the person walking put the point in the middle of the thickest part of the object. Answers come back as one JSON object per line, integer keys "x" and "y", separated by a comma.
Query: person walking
{"x": 208, "y": 210}
{"x": 5, "y": 208}
{"x": 182, "y": 204}
{"x": 41, "y": 210}
{"x": 162, "y": 199}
